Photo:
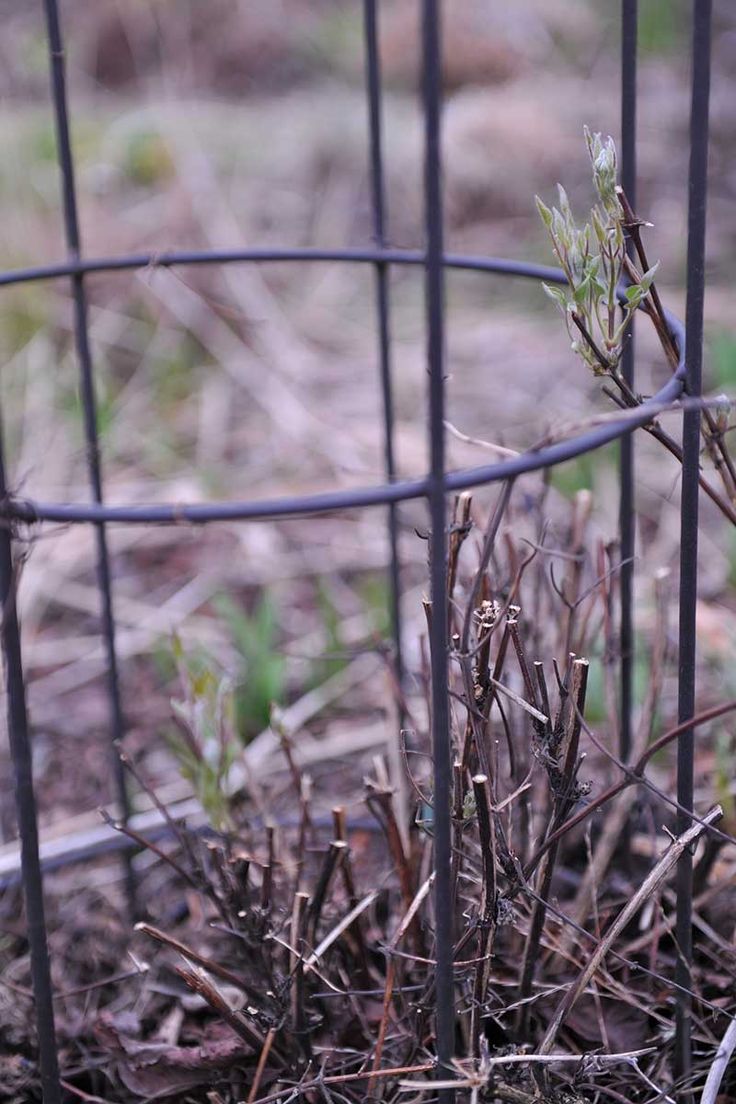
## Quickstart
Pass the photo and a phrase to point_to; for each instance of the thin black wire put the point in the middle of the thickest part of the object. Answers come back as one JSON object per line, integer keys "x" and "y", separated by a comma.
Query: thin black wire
{"x": 627, "y": 529}
{"x": 697, "y": 193}
{"x": 436, "y": 492}
{"x": 501, "y": 266}
{"x": 31, "y": 511}
{"x": 20, "y": 749}
{"x": 378, "y": 197}
{"x": 84, "y": 356}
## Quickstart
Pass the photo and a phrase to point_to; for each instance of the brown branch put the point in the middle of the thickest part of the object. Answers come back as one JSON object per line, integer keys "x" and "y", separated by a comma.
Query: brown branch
{"x": 648, "y": 887}
{"x": 633, "y": 777}
{"x": 487, "y": 906}
{"x": 203, "y": 987}
{"x": 333, "y": 859}
{"x": 632, "y": 224}
{"x": 299, "y": 919}
{"x": 209, "y": 964}
{"x": 607, "y": 365}
{"x": 716, "y": 446}
{"x": 405, "y": 925}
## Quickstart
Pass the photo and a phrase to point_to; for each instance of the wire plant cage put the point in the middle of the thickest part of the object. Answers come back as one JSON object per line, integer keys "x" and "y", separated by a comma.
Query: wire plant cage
{"x": 433, "y": 488}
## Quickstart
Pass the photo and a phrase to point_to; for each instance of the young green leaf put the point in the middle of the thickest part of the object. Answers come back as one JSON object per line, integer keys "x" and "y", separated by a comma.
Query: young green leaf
{"x": 648, "y": 277}
{"x": 544, "y": 212}
{"x": 557, "y": 295}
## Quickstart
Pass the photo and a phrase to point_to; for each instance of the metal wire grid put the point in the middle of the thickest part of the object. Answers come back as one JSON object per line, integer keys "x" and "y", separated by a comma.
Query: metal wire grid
{"x": 433, "y": 487}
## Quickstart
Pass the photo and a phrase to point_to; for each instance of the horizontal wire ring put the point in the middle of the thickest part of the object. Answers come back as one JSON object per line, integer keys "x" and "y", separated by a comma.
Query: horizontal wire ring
{"x": 30, "y": 511}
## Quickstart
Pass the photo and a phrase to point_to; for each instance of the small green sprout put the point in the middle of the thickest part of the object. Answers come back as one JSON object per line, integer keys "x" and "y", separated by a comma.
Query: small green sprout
{"x": 593, "y": 258}
{"x": 260, "y": 679}
{"x": 205, "y": 744}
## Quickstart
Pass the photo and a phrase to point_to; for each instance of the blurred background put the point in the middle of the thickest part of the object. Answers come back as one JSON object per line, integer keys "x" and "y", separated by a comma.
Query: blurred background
{"x": 244, "y": 123}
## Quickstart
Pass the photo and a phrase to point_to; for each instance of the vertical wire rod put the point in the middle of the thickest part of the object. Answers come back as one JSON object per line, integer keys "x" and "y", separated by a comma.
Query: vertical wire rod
{"x": 20, "y": 749}
{"x": 378, "y": 204}
{"x": 627, "y": 525}
{"x": 434, "y": 289}
{"x": 697, "y": 191}
{"x": 84, "y": 356}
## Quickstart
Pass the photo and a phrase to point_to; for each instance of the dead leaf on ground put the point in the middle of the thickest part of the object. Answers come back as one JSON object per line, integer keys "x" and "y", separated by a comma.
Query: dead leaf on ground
{"x": 156, "y": 1070}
